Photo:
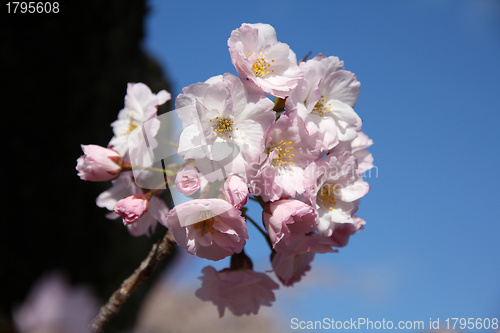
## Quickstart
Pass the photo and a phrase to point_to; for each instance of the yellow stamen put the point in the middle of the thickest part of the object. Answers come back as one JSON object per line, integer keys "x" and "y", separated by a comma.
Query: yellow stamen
{"x": 321, "y": 106}
{"x": 261, "y": 66}
{"x": 326, "y": 196}
{"x": 284, "y": 155}
{"x": 223, "y": 126}
{"x": 206, "y": 225}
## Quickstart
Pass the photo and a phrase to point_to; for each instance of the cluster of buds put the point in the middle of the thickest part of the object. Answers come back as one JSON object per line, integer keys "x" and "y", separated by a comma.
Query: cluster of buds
{"x": 300, "y": 156}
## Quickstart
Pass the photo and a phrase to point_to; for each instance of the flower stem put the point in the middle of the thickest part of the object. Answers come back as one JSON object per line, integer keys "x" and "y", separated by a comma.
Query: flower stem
{"x": 127, "y": 166}
{"x": 151, "y": 169}
{"x": 305, "y": 57}
{"x": 266, "y": 236}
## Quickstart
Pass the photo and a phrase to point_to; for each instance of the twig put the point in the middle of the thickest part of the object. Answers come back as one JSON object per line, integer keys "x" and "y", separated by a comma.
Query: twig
{"x": 306, "y": 56}
{"x": 158, "y": 252}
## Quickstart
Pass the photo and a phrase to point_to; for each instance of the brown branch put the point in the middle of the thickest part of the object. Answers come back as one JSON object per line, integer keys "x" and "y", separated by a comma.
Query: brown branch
{"x": 158, "y": 252}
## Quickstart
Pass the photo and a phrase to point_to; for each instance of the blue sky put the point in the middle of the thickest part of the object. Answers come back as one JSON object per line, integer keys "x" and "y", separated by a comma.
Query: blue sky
{"x": 429, "y": 76}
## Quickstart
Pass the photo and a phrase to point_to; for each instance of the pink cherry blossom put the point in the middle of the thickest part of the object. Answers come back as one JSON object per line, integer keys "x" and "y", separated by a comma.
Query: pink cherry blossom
{"x": 236, "y": 191}
{"x": 187, "y": 180}
{"x": 291, "y": 267}
{"x": 291, "y": 227}
{"x": 224, "y": 120}
{"x": 334, "y": 187}
{"x": 125, "y": 186}
{"x": 288, "y": 221}
{"x": 324, "y": 99}
{"x": 258, "y": 56}
{"x": 363, "y": 156}
{"x": 290, "y": 263}
{"x": 209, "y": 228}
{"x": 98, "y": 163}
{"x": 343, "y": 231}
{"x": 140, "y": 106}
{"x": 132, "y": 208}
{"x": 241, "y": 291}
{"x": 290, "y": 149}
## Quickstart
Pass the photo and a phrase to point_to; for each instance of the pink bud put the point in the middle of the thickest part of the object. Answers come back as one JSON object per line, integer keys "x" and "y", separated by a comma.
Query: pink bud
{"x": 236, "y": 191}
{"x": 187, "y": 180}
{"x": 132, "y": 208}
{"x": 98, "y": 163}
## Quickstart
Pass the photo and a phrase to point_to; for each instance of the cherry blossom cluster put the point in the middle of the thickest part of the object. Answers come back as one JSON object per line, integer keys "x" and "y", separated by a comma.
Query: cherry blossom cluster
{"x": 300, "y": 155}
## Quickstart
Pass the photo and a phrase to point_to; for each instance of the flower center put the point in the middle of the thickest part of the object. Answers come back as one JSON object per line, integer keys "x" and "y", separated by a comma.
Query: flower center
{"x": 285, "y": 153}
{"x": 322, "y": 106}
{"x": 261, "y": 67}
{"x": 326, "y": 195}
{"x": 206, "y": 225}
{"x": 132, "y": 125}
{"x": 223, "y": 127}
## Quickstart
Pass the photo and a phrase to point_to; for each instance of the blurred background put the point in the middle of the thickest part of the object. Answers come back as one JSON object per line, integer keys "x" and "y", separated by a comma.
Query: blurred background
{"x": 429, "y": 99}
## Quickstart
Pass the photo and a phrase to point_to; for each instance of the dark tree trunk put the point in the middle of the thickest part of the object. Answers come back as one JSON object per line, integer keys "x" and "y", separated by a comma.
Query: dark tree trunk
{"x": 64, "y": 79}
